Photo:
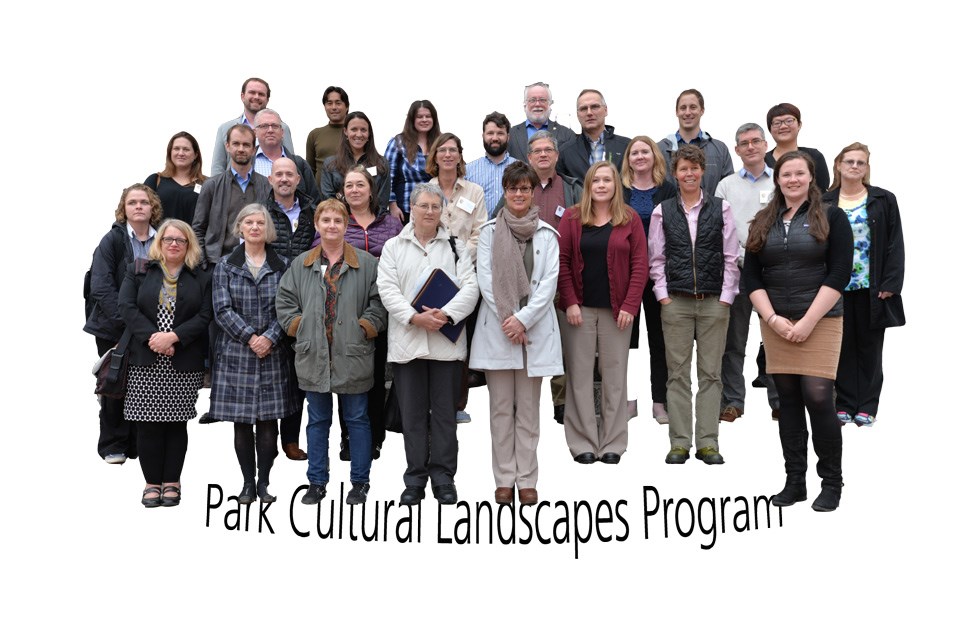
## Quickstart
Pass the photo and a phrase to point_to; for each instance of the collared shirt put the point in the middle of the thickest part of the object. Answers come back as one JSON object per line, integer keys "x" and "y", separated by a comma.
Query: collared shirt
{"x": 596, "y": 149}
{"x": 549, "y": 198}
{"x": 243, "y": 182}
{"x": 489, "y": 175}
{"x": 262, "y": 164}
{"x": 767, "y": 171}
{"x": 657, "y": 243}
{"x": 681, "y": 141}
{"x": 293, "y": 213}
{"x": 140, "y": 247}
{"x": 532, "y": 128}
{"x": 410, "y": 175}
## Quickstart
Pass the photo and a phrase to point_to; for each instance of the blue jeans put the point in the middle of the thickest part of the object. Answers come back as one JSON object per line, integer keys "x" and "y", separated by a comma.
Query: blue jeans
{"x": 319, "y": 419}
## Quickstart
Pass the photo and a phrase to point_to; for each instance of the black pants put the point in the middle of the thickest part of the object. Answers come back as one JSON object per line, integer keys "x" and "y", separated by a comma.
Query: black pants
{"x": 116, "y": 434}
{"x": 427, "y": 396}
{"x": 163, "y": 448}
{"x": 255, "y": 454}
{"x": 860, "y": 373}
{"x": 290, "y": 425}
{"x": 800, "y": 395}
{"x": 658, "y": 358}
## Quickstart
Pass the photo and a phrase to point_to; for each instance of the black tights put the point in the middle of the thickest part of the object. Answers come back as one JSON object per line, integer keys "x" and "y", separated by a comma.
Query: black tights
{"x": 163, "y": 447}
{"x": 255, "y": 459}
{"x": 813, "y": 395}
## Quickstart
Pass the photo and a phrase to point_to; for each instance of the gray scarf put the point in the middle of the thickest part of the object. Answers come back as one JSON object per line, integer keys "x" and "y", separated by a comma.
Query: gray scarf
{"x": 510, "y": 237}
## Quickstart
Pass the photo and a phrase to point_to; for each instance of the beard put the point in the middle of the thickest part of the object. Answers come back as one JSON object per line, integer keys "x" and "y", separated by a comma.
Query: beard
{"x": 494, "y": 148}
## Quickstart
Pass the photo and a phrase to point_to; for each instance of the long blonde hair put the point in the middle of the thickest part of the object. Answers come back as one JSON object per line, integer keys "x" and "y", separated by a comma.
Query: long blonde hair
{"x": 618, "y": 210}
{"x": 659, "y": 173}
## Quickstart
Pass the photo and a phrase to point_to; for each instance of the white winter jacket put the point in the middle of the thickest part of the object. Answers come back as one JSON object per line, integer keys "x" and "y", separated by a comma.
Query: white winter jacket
{"x": 404, "y": 264}
{"x": 491, "y": 350}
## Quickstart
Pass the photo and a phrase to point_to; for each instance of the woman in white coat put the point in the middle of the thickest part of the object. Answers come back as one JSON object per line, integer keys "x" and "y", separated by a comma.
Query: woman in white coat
{"x": 426, "y": 364}
{"x": 517, "y": 338}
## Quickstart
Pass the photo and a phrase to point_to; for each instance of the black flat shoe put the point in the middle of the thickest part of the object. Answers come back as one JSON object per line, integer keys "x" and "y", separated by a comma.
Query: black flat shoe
{"x": 247, "y": 495}
{"x": 170, "y": 501}
{"x": 412, "y": 496}
{"x": 151, "y": 497}
{"x": 610, "y": 458}
{"x": 314, "y": 494}
{"x": 790, "y": 494}
{"x": 587, "y": 458}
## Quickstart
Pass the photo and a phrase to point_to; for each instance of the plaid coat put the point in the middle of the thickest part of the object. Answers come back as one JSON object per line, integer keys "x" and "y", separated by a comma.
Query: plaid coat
{"x": 246, "y": 388}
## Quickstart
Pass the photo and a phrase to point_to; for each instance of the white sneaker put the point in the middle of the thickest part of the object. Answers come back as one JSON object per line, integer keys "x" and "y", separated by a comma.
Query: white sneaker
{"x": 463, "y": 417}
{"x": 115, "y": 459}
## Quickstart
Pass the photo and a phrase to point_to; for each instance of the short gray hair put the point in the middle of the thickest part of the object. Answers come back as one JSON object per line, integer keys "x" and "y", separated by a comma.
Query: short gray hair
{"x": 269, "y": 230}
{"x": 542, "y": 135}
{"x": 427, "y": 188}
{"x": 744, "y": 128}
{"x": 265, "y": 110}
{"x": 526, "y": 90}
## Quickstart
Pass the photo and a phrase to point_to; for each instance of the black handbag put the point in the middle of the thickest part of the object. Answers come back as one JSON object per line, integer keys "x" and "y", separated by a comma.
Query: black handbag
{"x": 111, "y": 370}
{"x": 391, "y": 412}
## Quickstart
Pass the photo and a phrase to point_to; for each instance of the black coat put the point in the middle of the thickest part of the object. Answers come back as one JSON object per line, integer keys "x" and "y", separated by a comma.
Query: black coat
{"x": 886, "y": 255}
{"x": 575, "y": 153}
{"x": 109, "y": 268}
{"x": 290, "y": 243}
{"x": 139, "y": 300}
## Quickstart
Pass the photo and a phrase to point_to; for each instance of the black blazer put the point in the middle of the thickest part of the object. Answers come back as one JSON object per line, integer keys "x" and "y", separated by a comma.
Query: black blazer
{"x": 139, "y": 299}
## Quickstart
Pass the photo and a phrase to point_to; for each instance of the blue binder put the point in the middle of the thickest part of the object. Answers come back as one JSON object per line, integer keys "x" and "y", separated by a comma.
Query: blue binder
{"x": 435, "y": 293}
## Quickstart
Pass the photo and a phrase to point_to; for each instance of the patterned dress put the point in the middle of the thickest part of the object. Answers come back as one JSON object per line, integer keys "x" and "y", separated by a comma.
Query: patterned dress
{"x": 160, "y": 393}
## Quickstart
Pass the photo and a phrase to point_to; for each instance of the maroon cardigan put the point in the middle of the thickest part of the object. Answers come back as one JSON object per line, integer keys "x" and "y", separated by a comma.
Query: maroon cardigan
{"x": 627, "y": 264}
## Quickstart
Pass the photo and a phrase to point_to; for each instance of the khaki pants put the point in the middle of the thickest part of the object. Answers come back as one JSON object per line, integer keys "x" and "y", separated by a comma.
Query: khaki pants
{"x": 514, "y": 426}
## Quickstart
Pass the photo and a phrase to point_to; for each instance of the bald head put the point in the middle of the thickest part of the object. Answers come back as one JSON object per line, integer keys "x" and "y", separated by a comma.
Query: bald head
{"x": 284, "y": 179}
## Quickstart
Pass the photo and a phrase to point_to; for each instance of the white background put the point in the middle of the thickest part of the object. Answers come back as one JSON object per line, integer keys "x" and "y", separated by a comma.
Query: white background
{"x": 93, "y": 93}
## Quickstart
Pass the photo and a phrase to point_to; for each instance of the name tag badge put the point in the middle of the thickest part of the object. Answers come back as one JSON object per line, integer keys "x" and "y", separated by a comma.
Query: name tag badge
{"x": 372, "y": 171}
{"x": 323, "y": 270}
{"x": 559, "y": 212}
{"x": 765, "y": 197}
{"x": 466, "y": 205}
{"x": 197, "y": 187}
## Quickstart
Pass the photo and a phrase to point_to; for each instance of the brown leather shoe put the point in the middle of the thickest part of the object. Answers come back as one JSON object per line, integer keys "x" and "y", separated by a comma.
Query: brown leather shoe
{"x": 293, "y": 452}
{"x": 503, "y": 495}
{"x": 730, "y": 413}
{"x": 528, "y": 496}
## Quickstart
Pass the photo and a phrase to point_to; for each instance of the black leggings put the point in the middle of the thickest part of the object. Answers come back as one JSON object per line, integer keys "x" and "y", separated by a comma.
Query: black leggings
{"x": 163, "y": 447}
{"x": 256, "y": 455}
{"x": 813, "y": 395}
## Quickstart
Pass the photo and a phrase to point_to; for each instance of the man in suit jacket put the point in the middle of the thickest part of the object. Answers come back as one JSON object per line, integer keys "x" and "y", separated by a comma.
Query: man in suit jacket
{"x": 537, "y": 100}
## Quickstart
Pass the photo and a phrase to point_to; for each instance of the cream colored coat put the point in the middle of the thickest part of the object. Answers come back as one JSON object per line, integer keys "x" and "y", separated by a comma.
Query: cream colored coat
{"x": 403, "y": 261}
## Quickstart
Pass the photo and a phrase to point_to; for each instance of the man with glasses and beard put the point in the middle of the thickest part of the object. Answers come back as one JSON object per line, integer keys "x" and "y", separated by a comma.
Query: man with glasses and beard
{"x": 537, "y": 101}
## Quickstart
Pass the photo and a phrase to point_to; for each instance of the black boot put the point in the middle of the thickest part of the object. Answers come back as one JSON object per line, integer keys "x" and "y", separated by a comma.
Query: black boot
{"x": 829, "y": 499}
{"x": 265, "y": 496}
{"x": 793, "y": 492}
{"x": 248, "y": 494}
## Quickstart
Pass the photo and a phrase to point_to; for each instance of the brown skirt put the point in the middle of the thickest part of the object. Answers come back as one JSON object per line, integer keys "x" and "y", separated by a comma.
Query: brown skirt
{"x": 816, "y": 356}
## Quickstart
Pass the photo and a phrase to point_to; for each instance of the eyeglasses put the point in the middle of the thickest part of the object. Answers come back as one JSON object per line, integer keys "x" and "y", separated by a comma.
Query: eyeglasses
{"x": 269, "y": 126}
{"x": 433, "y": 208}
{"x": 545, "y": 151}
{"x": 785, "y": 122}
{"x": 519, "y": 190}
{"x": 538, "y": 101}
{"x": 585, "y": 108}
{"x": 854, "y": 163}
{"x": 753, "y": 142}
{"x": 445, "y": 151}
{"x": 180, "y": 242}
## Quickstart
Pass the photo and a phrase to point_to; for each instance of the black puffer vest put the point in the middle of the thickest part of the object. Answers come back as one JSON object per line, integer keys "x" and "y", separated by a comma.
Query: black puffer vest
{"x": 694, "y": 270}
{"x": 795, "y": 265}
{"x": 290, "y": 243}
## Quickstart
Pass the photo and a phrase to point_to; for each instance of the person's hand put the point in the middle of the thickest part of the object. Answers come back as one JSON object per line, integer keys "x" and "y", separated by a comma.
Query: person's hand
{"x": 514, "y": 330}
{"x": 885, "y": 295}
{"x": 574, "y": 317}
{"x": 800, "y": 330}
{"x": 429, "y": 319}
{"x": 725, "y": 304}
{"x": 162, "y": 342}
{"x": 261, "y": 345}
{"x": 782, "y": 326}
{"x": 396, "y": 212}
{"x": 624, "y": 320}
{"x": 665, "y": 301}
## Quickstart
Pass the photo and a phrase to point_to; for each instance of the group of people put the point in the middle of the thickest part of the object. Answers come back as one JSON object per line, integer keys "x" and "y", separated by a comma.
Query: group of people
{"x": 292, "y": 279}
